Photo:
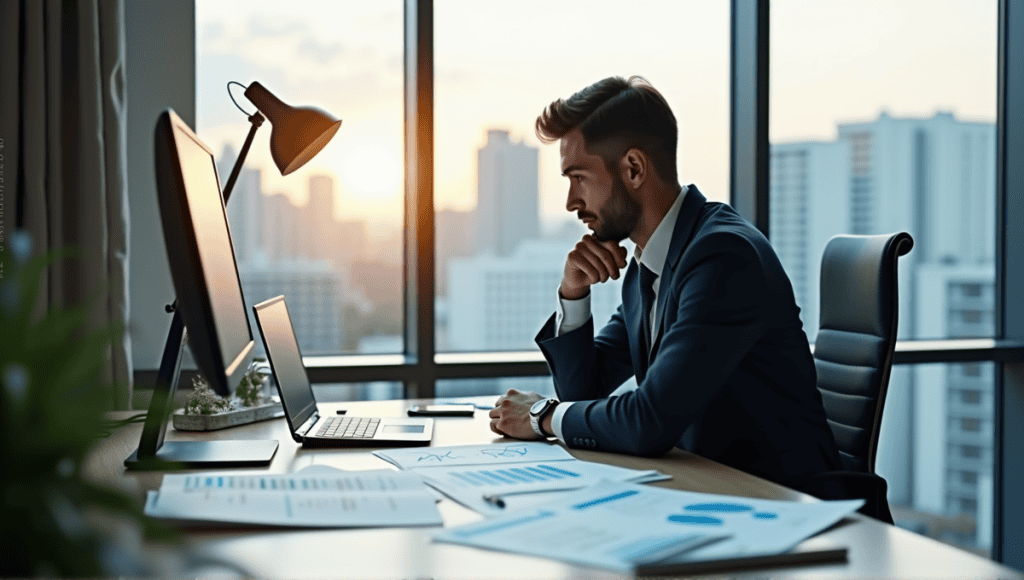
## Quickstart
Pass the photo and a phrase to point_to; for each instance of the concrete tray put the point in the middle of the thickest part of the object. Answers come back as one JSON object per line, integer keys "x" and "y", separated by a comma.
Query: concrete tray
{"x": 238, "y": 415}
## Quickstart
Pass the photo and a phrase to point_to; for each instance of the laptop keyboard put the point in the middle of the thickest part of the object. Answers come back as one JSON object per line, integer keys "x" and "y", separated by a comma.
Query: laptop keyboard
{"x": 348, "y": 427}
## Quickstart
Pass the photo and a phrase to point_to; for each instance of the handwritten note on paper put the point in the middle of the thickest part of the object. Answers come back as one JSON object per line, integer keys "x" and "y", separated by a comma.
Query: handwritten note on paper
{"x": 412, "y": 458}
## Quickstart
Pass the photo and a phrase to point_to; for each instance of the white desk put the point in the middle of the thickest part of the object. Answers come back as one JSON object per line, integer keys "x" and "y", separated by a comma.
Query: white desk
{"x": 876, "y": 550}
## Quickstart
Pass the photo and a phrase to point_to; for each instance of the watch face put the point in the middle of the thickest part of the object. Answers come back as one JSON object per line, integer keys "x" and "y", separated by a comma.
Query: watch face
{"x": 538, "y": 407}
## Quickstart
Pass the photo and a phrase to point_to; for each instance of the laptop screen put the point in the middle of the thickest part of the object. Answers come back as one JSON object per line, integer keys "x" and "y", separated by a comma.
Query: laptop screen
{"x": 285, "y": 360}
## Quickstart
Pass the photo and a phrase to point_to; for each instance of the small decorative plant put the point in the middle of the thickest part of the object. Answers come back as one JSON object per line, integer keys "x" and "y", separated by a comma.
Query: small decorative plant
{"x": 204, "y": 401}
{"x": 249, "y": 393}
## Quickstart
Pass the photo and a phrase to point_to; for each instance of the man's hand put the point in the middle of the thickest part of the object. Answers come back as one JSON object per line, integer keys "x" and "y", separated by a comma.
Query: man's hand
{"x": 590, "y": 262}
{"x": 511, "y": 415}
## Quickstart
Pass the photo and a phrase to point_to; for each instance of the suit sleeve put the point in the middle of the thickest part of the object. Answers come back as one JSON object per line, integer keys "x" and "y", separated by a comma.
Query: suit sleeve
{"x": 584, "y": 366}
{"x": 720, "y": 318}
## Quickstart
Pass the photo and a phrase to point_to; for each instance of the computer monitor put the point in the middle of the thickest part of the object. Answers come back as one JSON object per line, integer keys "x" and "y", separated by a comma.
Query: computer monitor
{"x": 201, "y": 256}
{"x": 209, "y": 303}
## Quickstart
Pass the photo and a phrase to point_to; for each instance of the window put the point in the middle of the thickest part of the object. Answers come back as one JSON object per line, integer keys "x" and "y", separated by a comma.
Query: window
{"x": 499, "y": 193}
{"x": 970, "y": 397}
{"x": 892, "y": 108}
{"x": 891, "y": 128}
{"x": 328, "y": 236}
{"x": 930, "y": 446}
{"x": 970, "y": 451}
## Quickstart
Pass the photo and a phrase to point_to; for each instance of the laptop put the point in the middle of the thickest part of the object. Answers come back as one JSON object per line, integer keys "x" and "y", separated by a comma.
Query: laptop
{"x": 307, "y": 425}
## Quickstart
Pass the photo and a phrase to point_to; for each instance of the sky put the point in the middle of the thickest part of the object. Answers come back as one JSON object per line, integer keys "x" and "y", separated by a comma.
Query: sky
{"x": 497, "y": 65}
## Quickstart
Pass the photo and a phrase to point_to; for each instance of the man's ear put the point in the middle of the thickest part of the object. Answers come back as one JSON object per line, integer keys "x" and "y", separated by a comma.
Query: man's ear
{"x": 635, "y": 167}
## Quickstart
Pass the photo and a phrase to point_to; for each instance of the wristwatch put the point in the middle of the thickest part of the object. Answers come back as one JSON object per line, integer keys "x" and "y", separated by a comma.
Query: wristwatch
{"x": 537, "y": 412}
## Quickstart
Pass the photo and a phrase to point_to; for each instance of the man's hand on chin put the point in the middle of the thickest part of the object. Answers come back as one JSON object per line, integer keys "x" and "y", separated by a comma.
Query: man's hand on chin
{"x": 511, "y": 415}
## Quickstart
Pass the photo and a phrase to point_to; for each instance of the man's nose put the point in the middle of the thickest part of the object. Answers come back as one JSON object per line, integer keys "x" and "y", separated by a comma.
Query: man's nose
{"x": 573, "y": 203}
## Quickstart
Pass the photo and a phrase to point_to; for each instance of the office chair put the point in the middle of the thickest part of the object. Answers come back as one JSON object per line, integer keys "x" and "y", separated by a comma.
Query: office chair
{"x": 853, "y": 355}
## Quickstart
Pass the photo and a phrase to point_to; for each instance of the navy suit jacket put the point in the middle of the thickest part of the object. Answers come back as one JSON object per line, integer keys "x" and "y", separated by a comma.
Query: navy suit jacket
{"x": 730, "y": 375}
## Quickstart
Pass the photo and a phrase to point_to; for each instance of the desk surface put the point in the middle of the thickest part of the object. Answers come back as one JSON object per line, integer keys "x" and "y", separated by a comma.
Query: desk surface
{"x": 876, "y": 550}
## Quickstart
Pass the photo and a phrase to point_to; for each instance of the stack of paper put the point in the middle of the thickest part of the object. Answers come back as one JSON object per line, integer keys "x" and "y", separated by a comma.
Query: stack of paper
{"x": 468, "y": 473}
{"x": 636, "y": 528}
{"x": 314, "y": 499}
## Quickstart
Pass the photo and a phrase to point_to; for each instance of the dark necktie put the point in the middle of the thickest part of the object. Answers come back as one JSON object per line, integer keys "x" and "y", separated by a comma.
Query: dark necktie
{"x": 647, "y": 279}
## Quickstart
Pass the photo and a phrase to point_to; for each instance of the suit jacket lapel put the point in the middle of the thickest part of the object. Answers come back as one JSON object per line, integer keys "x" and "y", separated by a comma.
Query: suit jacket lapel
{"x": 693, "y": 203}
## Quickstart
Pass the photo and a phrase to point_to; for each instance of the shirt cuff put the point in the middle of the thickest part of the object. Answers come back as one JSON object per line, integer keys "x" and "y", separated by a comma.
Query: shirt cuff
{"x": 571, "y": 314}
{"x": 556, "y": 420}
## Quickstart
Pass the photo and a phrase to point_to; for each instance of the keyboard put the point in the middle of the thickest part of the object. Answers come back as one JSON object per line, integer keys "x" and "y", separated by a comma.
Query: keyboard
{"x": 348, "y": 427}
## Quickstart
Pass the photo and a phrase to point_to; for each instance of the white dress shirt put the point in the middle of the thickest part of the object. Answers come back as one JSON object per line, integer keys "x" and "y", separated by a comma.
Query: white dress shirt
{"x": 572, "y": 314}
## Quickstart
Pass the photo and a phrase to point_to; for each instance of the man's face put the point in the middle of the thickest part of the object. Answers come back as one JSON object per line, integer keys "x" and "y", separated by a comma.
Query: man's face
{"x": 599, "y": 198}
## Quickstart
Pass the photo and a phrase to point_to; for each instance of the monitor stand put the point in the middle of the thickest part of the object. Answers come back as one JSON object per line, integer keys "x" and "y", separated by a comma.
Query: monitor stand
{"x": 156, "y": 454}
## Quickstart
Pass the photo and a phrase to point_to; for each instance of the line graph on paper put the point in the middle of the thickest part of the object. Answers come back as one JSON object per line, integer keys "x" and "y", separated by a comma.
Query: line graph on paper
{"x": 516, "y": 451}
{"x": 494, "y": 454}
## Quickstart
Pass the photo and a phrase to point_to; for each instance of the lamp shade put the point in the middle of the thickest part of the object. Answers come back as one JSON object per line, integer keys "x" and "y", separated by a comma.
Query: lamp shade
{"x": 298, "y": 133}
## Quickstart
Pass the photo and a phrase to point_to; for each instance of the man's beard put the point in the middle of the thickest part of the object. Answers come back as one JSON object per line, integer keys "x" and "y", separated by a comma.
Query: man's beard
{"x": 619, "y": 218}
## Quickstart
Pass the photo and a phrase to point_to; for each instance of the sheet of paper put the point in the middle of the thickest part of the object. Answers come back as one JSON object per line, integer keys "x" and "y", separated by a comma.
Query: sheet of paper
{"x": 494, "y": 454}
{"x": 469, "y": 484}
{"x": 295, "y": 508}
{"x": 314, "y": 497}
{"x": 623, "y": 525}
{"x": 378, "y": 480}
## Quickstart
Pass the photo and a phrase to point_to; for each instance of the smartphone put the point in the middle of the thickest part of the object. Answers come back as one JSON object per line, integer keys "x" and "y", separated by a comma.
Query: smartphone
{"x": 442, "y": 410}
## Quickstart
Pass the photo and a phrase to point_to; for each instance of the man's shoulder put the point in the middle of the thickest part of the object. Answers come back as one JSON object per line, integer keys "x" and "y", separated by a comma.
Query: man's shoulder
{"x": 720, "y": 228}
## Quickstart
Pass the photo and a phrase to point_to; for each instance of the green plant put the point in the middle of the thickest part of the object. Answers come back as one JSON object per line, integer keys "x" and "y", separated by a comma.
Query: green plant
{"x": 250, "y": 388}
{"x": 203, "y": 401}
{"x": 56, "y": 522}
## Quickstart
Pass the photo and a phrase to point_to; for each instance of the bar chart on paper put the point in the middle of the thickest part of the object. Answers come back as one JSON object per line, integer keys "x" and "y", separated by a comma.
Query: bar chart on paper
{"x": 539, "y": 473}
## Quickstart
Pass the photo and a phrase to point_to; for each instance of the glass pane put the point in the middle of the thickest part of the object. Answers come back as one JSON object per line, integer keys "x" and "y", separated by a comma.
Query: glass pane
{"x": 327, "y": 236}
{"x": 456, "y": 388}
{"x": 373, "y": 391}
{"x": 883, "y": 119}
{"x": 502, "y": 228}
{"x": 935, "y": 452}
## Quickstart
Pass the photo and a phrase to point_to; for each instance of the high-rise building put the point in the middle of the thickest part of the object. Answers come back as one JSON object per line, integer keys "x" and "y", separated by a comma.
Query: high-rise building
{"x": 245, "y": 207}
{"x": 456, "y": 238}
{"x": 314, "y": 293}
{"x": 501, "y": 303}
{"x": 507, "y": 194}
{"x": 952, "y": 422}
{"x": 282, "y": 221}
{"x": 933, "y": 177}
{"x": 320, "y": 211}
{"x": 809, "y": 196}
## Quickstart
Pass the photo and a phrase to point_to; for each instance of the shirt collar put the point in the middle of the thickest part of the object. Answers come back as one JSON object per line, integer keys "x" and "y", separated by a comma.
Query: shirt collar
{"x": 656, "y": 252}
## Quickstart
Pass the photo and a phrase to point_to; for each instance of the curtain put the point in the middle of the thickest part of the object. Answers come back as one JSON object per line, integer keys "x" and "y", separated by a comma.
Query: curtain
{"x": 64, "y": 173}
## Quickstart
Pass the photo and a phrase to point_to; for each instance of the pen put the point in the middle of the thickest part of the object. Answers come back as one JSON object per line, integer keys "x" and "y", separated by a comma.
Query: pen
{"x": 495, "y": 500}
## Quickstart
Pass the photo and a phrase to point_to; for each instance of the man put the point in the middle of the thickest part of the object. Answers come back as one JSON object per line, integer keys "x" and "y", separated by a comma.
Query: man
{"x": 708, "y": 323}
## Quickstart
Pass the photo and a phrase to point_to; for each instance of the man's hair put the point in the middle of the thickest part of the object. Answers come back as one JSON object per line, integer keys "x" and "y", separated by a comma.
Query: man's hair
{"x": 615, "y": 115}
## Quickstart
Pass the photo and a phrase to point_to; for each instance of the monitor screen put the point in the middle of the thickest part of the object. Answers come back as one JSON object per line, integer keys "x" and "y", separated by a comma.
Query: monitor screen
{"x": 201, "y": 257}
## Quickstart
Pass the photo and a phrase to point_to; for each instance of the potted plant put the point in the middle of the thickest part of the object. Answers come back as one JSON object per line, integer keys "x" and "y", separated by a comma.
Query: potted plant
{"x": 56, "y": 522}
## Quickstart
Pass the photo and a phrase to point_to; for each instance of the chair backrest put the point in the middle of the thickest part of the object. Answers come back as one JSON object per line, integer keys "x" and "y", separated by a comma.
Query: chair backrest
{"x": 856, "y": 338}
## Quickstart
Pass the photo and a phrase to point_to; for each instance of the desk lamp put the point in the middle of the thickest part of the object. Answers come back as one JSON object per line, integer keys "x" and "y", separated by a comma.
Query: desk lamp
{"x": 298, "y": 133}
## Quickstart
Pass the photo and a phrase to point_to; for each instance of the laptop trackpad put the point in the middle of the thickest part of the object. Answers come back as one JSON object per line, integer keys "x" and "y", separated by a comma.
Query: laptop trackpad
{"x": 391, "y": 428}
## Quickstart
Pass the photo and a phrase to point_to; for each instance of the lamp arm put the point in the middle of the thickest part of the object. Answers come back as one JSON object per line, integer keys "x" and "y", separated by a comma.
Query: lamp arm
{"x": 256, "y": 119}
